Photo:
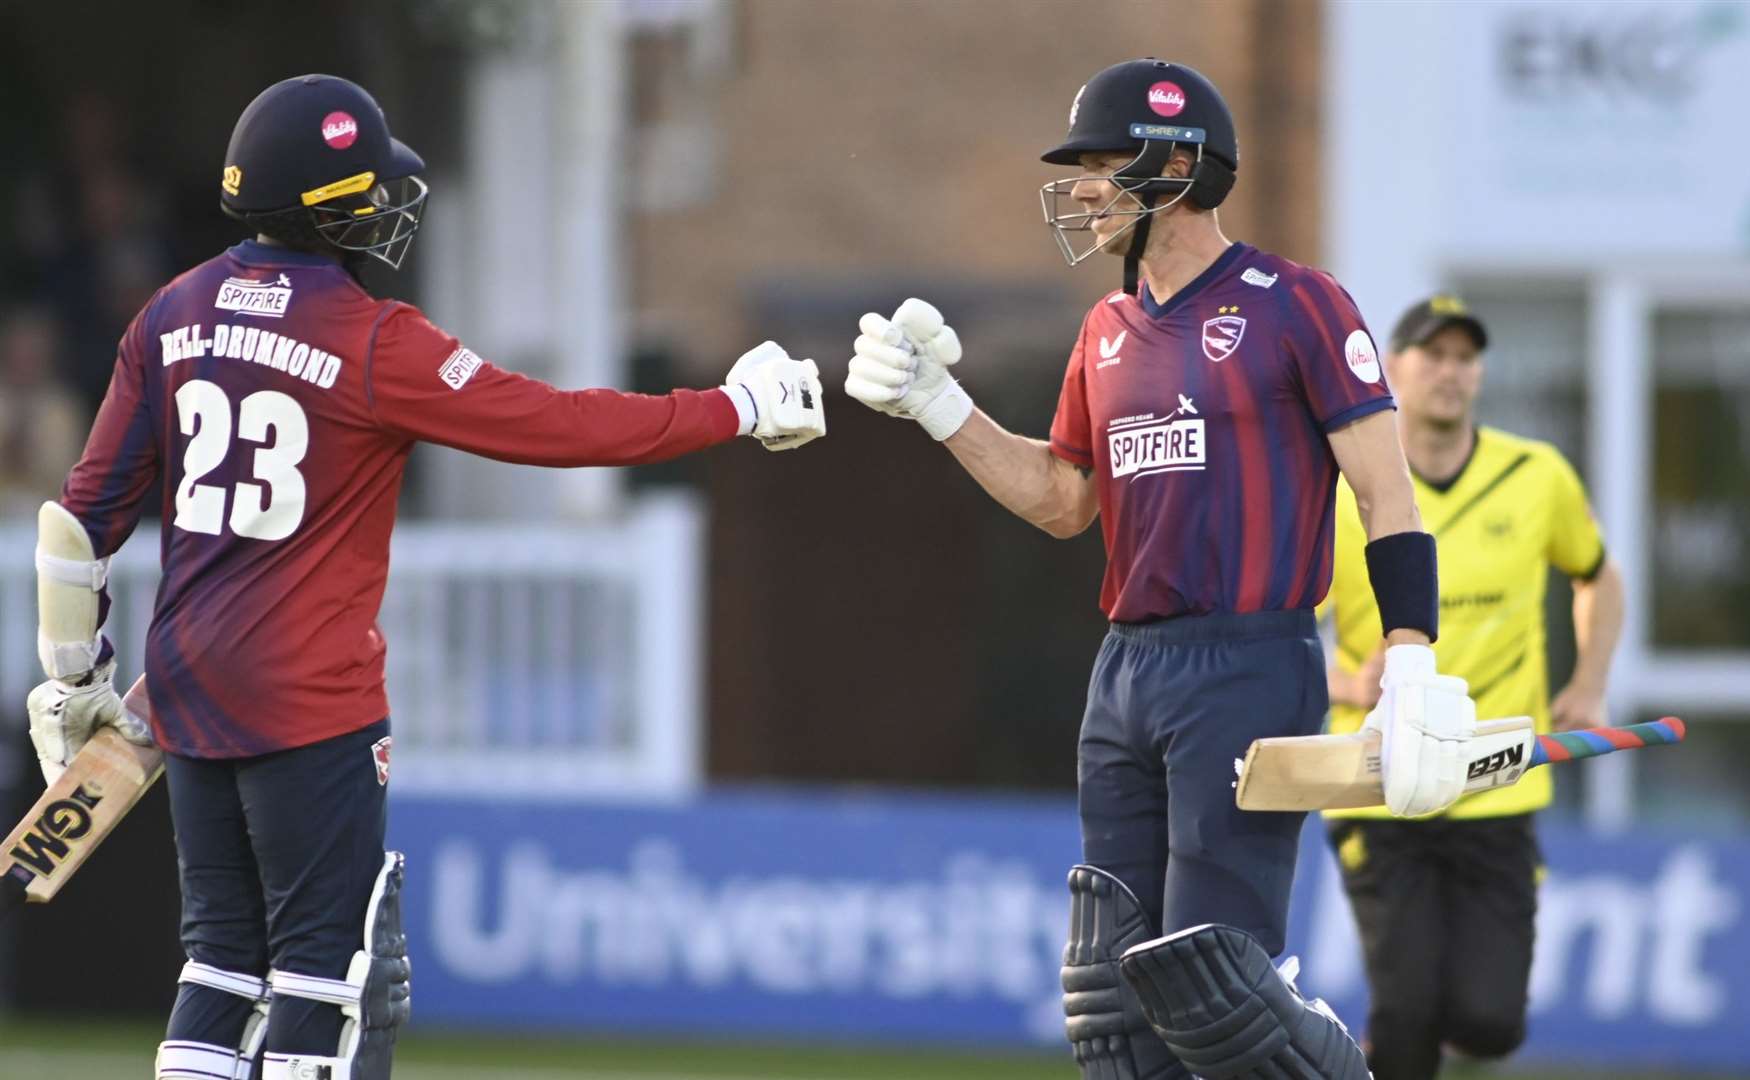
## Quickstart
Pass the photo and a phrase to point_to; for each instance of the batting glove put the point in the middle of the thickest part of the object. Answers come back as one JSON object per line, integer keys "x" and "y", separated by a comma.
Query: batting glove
{"x": 64, "y": 716}
{"x": 779, "y": 398}
{"x": 900, "y": 367}
{"x": 1425, "y": 721}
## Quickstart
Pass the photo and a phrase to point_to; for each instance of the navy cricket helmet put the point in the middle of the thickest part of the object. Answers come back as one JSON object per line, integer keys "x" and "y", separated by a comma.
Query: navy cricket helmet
{"x": 1147, "y": 108}
{"x": 312, "y": 164}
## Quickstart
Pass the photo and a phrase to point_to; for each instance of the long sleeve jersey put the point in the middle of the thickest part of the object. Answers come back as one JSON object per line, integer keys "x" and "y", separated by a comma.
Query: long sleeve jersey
{"x": 276, "y": 403}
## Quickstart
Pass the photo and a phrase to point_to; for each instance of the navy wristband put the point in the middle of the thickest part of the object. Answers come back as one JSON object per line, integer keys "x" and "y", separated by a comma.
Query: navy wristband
{"x": 1406, "y": 584}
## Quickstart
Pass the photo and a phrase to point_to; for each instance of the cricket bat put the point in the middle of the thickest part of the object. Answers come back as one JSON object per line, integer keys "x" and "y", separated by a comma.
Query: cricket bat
{"x": 60, "y": 832}
{"x": 1338, "y": 772}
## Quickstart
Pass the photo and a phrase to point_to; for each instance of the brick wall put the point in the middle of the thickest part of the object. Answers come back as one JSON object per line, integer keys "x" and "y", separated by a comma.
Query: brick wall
{"x": 883, "y": 142}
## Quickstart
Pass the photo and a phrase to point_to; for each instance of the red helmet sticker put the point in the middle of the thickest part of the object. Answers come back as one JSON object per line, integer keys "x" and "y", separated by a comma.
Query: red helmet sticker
{"x": 340, "y": 130}
{"x": 1166, "y": 99}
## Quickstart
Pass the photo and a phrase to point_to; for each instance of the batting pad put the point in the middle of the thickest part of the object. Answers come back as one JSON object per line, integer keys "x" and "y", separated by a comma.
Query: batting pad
{"x": 1106, "y": 1028}
{"x": 1213, "y": 996}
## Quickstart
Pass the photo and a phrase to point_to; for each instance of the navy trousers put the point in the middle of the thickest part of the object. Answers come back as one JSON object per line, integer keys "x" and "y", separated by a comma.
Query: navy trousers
{"x": 1172, "y": 708}
{"x": 277, "y": 855}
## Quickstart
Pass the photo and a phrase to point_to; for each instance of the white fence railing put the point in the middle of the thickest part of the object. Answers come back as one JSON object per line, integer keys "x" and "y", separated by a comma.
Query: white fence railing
{"x": 529, "y": 659}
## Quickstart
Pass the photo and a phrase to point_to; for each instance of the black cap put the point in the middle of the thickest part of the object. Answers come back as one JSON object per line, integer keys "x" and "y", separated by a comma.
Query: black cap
{"x": 1425, "y": 319}
{"x": 303, "y": 135}
{"x": 1130, "y": 103}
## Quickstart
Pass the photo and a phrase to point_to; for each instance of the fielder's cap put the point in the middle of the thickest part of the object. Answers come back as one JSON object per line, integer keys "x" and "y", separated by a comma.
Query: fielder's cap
{"x": 308, "y": 139}
{"x": 1425, "y": 319}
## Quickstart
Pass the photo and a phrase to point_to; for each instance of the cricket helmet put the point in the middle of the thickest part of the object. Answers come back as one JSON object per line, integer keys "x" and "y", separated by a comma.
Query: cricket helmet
{"x": 311, "y": 162}
{"x": 1147, "y": 108}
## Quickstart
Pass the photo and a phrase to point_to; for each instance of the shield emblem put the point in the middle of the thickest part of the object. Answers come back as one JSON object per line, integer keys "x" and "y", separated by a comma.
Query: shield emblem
{"x": 1221, "y": 336}
{"x": 380, "y": 754}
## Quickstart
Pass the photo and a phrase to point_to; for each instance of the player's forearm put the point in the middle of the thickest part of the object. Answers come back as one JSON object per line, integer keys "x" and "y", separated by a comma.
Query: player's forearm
{"x": 1389, "y": 507}
{"x": 1598, "y": 615}
{"x": 1371, "y": 459}
{"x": 1025, "y": 476}
{"x": 527, "y": 423}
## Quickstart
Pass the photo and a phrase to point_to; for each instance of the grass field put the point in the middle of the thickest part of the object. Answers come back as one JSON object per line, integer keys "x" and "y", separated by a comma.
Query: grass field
{"x": 63, "y": 1050}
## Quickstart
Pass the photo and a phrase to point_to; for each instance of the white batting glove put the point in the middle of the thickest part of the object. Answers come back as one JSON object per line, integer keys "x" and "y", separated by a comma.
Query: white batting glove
{"x": 1426, "y": 721}
{"x": 783, "y": 396}
{"x": 64, "y": 716}
{"x": 901, "y": 368}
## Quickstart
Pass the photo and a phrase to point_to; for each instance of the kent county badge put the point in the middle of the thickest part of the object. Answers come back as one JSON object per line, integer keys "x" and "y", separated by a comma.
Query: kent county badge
{"x": 380, "y": 753}
{"x": 1222, "y": 334}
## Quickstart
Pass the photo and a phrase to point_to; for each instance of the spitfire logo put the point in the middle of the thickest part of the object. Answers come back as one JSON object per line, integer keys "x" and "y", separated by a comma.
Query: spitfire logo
{"x": 1150, "y": 444}
{"x": 1166, "y": 99}
{"x": 45, "y": 845}
{"x": 380, "y": 754}
{"x": 232, "y": 181}
{"x": 459, "y": 368}
{"x": 1222, "y": 334}
{"x": 339, "y": 130}
{"x": 247, "y": 297}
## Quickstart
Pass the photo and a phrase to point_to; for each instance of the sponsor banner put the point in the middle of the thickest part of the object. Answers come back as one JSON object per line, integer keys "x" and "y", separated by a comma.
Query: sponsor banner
{"x": 808, "y": 914}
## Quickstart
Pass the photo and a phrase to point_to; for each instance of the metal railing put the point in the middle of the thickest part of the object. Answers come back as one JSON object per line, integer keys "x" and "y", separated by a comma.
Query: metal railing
{"x": 535, "y": 659}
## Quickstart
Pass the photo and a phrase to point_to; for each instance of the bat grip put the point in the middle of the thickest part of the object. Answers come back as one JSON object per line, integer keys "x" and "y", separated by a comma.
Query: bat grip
{"x": 1594, "y": 742}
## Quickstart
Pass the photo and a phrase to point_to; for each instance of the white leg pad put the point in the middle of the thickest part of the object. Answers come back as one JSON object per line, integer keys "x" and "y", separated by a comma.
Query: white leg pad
{"x": 183, "y": 1060}
{"x": 373, "y": 998}
{"x": 200, "y": 1061}
{"x": 305, "y": 1067}
{"x": 231, "y": 982}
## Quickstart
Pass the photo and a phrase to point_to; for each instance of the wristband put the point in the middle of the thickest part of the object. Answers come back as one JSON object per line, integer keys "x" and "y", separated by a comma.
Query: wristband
{"x": 1406, "y": 584}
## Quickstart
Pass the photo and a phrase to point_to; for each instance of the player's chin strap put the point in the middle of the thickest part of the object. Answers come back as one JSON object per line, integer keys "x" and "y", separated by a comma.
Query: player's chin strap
{"x": 1138, "y": 241}
{"x": 374, "y": 999}
{"x": 1146, "y": 170}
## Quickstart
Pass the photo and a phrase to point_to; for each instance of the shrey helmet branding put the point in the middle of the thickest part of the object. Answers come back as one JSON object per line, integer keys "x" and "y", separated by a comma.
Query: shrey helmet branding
{"x": 339, "y": 129}
{"x": 1166, "y": 99}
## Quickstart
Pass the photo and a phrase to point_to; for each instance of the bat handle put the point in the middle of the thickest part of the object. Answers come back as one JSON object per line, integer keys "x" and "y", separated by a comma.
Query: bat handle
{"x": 1593, "y": 742}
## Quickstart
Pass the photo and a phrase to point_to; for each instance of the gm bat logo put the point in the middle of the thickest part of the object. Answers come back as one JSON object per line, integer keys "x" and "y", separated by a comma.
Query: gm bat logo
{"x": 1511, "y": 757}
{"x": 43, "y": 847}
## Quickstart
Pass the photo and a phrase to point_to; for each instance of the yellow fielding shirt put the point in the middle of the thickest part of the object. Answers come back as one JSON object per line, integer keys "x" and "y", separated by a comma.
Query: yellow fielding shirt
{"x": 1515, "y": 509}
